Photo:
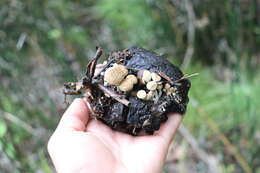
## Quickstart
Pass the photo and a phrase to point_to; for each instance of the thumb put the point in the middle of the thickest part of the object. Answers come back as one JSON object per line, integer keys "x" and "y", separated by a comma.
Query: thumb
{"x": 76, "y": 116}
{"x": 169, "y": 129}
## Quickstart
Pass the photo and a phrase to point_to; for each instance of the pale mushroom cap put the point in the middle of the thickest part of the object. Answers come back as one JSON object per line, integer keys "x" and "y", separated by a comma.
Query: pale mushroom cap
{"x": 141, "y": 94}
{"x": 152, "y": 85}
{"x": 126, "y": 86}
{"x": 133, "y": 78}
{"x": 167, "y": 86}
{"x": 150, "y": 95}
{"x": 114, "y": 75}
{"x": 146, "y": 77}
{"x": 155, "y": 77}
{"x": 128, "y": 83}
{"x": 172, "y": 89}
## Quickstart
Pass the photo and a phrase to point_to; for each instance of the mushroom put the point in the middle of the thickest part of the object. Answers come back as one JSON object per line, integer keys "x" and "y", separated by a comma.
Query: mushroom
{"x": 141, "y": 94}
{"x": 114, "y": 75}
{"x": 171, "y": 91}
{"x": 159, "y": 86}
{"x": 155, "y": 77}
{"x": 152, "y": 85}
{"x": 167, "y": 86}
{"x": 150, "y": 95}
{"x": 144, "y": 75}
{"x": 132, "y": 78}
{"x": 128, "y": 83}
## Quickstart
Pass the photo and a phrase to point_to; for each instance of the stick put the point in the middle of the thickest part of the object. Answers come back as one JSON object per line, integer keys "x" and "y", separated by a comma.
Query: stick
{"x": 91, "y": 67}
{"x": 186, "y": 76}
{"x": 209, "y": 160}
{"x": 114, "y": 95}
{"x": 163, "y": 75}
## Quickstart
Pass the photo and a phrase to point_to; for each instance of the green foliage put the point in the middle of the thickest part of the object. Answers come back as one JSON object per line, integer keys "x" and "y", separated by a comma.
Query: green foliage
{"x": 45, "y": 43}
{"x": 3, "y": 129}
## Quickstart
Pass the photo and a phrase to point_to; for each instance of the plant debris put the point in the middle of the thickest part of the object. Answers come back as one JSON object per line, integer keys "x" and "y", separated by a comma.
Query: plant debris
{"x": 134, "y": 90}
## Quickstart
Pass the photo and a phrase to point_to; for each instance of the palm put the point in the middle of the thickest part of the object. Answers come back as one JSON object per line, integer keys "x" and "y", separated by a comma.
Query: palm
{"x": 134, "y": 154}
{"x": 83, "y": 145}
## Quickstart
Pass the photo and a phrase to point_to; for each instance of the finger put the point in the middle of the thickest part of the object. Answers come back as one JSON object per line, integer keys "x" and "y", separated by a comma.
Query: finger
{"x": 76, "y": 116}
{"x": 97, "y": 126}
{"x": 103, "y": 131}
{"x": 169, "y": 129}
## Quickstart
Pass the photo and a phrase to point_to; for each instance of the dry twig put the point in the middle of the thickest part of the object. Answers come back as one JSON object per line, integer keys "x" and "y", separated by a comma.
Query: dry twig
{"x": 230, "y": 147}
{"x": 114, "y": 95}
{"x": 209, "y": 160}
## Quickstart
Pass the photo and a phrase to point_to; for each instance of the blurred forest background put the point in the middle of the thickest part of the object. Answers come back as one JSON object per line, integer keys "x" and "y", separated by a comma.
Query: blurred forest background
{"x": 44, "y": 44}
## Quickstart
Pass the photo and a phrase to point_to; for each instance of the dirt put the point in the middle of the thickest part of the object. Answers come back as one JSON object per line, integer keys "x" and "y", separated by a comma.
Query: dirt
{"x": 129, "y": 111}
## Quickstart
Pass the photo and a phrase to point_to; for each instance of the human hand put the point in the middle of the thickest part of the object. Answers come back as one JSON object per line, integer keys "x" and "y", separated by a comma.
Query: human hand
{"x": 81, "y": 144}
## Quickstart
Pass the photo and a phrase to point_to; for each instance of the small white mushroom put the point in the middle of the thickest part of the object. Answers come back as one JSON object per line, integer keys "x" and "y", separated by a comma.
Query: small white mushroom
{"x": 152, "y": 85}
{"x": 168, "y": 92}
{"x": 150, "y": 95}
{"x": 155, "y": 77}
{"x": 167, "y": 86}
{"x": 132, "y": 78}
{"x": 171, "y": 91}
{"x": 146, "y": 76}
{"x": 114, "y": 75}
{"x": 141, "y": 94}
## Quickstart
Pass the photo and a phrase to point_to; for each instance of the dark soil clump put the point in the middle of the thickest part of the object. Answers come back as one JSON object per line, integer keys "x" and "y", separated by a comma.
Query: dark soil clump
{"x": 133, "y": 91}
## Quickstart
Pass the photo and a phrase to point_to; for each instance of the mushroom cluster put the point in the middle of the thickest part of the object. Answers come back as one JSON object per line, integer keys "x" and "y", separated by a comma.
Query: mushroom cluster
{"x": 134, "y": 90}
{"x": 118, "y": 76}
{"x": 151, "y": 83}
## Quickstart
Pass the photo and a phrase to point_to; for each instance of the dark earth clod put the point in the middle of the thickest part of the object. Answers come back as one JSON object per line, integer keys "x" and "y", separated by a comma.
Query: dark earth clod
{"x": 125, "y": 100}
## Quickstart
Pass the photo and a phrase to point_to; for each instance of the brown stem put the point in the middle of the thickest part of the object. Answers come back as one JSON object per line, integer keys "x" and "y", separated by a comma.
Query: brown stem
{"x": 186, "y": 76}
{"x": 92, "y": 64}
{"x": 114, "y": 95}
{"x": 163, "y": 75}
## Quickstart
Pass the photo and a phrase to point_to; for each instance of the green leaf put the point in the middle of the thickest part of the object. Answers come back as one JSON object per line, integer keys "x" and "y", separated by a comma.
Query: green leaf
{"x": 3, "y": 129}
{"x": 54, "y": 34}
